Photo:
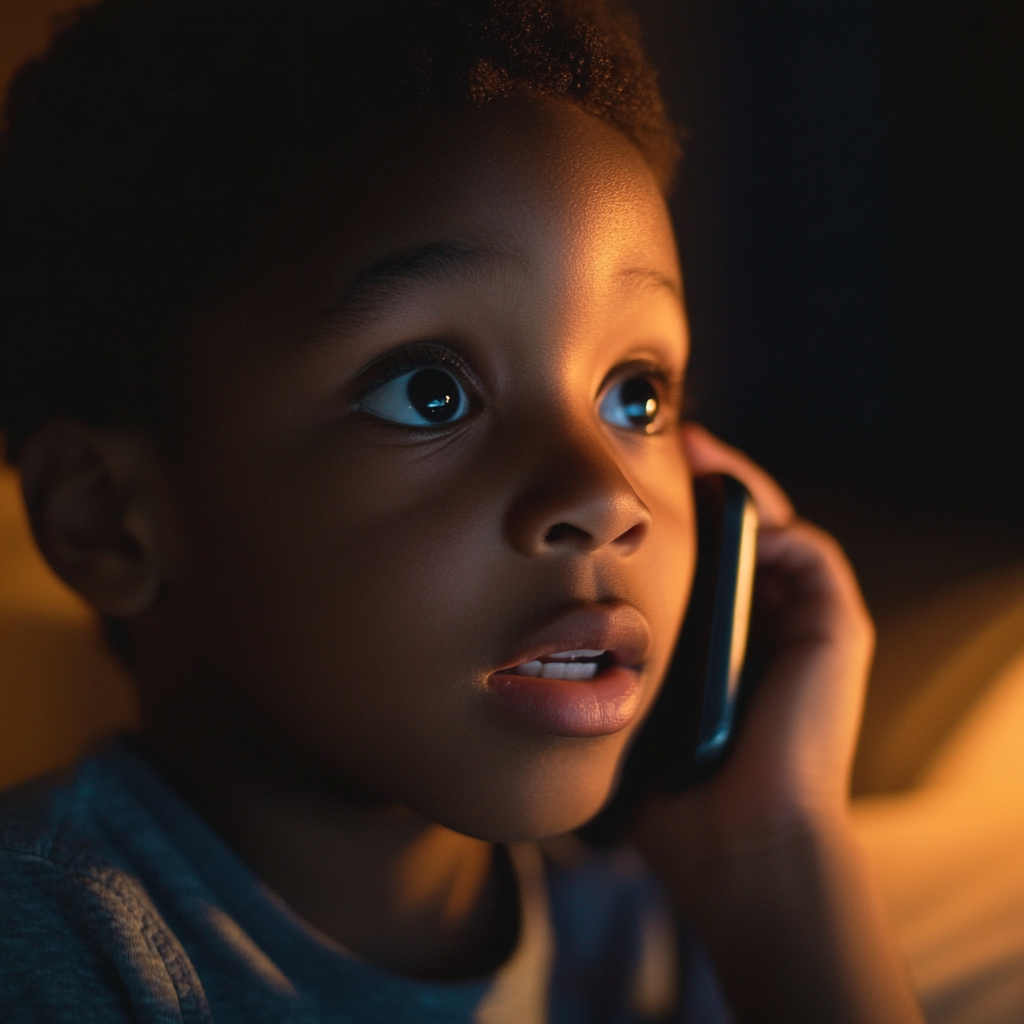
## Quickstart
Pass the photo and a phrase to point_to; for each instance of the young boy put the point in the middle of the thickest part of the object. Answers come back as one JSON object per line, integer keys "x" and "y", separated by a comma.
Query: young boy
{"x": 343, "y": 347}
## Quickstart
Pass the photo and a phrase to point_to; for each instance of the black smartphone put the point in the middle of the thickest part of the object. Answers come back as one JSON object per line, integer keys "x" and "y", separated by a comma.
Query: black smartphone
{"x": 687, "y": 735}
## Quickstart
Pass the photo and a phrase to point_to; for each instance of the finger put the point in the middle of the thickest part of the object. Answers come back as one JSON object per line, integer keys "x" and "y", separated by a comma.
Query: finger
{"x": 819, "y": 575}
{"x": 710, "y": 455}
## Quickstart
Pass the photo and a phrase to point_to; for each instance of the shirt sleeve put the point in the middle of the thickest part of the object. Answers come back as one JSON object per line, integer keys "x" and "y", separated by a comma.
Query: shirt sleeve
{"x": 82, "y": 945}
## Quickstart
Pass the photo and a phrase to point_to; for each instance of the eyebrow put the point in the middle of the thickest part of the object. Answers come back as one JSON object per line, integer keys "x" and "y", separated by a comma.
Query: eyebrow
{"x": 370, "y": 289}
{"x": 645, "y": 277}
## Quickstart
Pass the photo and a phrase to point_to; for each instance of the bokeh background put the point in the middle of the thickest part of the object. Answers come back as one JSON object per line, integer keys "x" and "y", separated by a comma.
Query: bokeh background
{"x": 851, "y": 219}
{"x": 850, "y": 212}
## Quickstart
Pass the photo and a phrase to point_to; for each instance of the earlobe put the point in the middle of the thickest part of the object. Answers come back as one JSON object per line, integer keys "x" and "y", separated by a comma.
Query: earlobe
{"x": 93, "y": 504}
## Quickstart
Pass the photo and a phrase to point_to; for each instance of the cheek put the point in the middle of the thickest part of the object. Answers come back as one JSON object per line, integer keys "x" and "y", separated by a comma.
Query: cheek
{"x": 326, "y": 588}
{"x": 668, "y": 557}
{"x": 353, "y": 615}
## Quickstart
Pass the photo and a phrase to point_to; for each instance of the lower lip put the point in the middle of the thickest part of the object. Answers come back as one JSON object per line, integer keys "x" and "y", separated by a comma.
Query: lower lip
{"x": 600, "y": 706}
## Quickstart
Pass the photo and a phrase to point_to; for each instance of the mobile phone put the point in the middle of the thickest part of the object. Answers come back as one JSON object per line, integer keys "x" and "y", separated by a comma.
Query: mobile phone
{"x": 690, "y": 728}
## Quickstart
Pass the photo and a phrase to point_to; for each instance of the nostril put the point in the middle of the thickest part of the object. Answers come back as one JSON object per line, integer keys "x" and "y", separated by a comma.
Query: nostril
{"x": 633, "y": 536}
{"x": 561, "y": 532}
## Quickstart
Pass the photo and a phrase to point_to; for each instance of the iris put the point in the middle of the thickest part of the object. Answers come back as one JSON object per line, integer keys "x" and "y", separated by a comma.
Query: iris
{"x": 632, "y": 404}
{"x": 434, "y": 394}
{"x": 639, "y": 401}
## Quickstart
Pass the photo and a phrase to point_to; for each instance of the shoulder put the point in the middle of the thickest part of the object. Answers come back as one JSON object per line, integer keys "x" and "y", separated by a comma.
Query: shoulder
{"x": 79, "y": 938}
{"x": 51, "y": 843}
{"x": 29, "y": 813}
{"x": 46, "y": 964}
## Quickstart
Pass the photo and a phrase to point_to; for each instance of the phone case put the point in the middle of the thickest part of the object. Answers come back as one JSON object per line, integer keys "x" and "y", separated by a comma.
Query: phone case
{"x": 687, "y": 734}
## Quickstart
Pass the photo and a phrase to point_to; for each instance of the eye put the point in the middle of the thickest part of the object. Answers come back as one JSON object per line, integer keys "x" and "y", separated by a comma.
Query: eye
{"x": 425, "y": 397}
{"x": 634, "y": 404}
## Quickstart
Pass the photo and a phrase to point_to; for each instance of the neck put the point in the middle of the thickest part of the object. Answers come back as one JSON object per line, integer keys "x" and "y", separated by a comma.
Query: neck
{"x": 387, "y": 884}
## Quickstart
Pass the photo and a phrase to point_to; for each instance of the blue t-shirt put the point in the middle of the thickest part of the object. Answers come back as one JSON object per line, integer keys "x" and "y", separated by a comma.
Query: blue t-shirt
{"x": 118, "y": 903}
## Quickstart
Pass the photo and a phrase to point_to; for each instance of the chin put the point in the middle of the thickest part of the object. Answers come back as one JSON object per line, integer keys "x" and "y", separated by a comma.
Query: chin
{"x": 550, "y": 807}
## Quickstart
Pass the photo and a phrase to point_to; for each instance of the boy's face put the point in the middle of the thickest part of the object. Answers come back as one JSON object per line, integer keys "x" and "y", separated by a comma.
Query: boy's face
{"x": 397, "y": 482}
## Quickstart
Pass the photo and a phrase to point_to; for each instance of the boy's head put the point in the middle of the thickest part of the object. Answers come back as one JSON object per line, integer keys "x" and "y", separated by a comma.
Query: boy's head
{"x": 342, "y": 345}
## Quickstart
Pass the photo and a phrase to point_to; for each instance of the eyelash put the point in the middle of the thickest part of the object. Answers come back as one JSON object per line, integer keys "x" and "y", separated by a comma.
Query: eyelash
{"x": 673, "y": 389}
{"x": 421, "y": 355}
{"x": 425, "y": 354}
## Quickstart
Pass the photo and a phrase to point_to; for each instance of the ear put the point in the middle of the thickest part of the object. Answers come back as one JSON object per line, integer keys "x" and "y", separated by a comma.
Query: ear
{"x": 94, "y": 500}
{"x": 708, "y": 454}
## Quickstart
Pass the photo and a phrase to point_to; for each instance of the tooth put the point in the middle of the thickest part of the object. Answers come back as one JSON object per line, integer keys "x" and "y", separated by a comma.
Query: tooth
{"x": 554, "y": 670}
{"x": 569, "y": 655}
{"x": 530, "y": 668}
{"x": 579, "y": 669}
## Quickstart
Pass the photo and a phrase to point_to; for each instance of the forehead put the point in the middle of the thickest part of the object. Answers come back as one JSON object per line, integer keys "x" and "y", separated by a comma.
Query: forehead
{"x": 538, "y": 215}
{"x": 539, "y": 191}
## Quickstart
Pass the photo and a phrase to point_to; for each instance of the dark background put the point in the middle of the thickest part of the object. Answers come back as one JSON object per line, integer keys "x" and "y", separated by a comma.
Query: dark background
{"x": 852, "y": 230}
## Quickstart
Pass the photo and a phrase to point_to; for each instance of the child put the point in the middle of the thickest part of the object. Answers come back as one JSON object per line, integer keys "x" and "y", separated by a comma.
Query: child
{"x": 343, "y": 347}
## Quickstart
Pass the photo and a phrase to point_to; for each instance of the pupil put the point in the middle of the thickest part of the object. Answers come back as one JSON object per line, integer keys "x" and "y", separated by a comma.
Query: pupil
{"x": 434, "y": 395}
{"x": 640, "y": 401}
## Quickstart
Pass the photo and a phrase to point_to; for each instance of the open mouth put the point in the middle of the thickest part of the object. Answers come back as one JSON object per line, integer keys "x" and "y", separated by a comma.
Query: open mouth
{"x": 581, "y": 675}
{"x": 581, "y": 664}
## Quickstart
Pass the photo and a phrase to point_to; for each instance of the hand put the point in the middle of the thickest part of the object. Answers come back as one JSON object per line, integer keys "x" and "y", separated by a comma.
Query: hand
{"x": 812, "y": 642}
{"x": 762, "y": 857}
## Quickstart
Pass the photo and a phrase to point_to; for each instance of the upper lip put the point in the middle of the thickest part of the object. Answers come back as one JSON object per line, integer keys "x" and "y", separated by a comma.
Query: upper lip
{"x": 618, "y": 629}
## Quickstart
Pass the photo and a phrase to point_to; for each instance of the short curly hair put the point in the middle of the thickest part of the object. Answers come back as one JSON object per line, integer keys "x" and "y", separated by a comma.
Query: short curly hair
{"x": 140, "y": 155}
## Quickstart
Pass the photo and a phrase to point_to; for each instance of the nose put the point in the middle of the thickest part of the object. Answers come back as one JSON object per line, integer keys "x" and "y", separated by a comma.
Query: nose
{"x": 577, "y": 501}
